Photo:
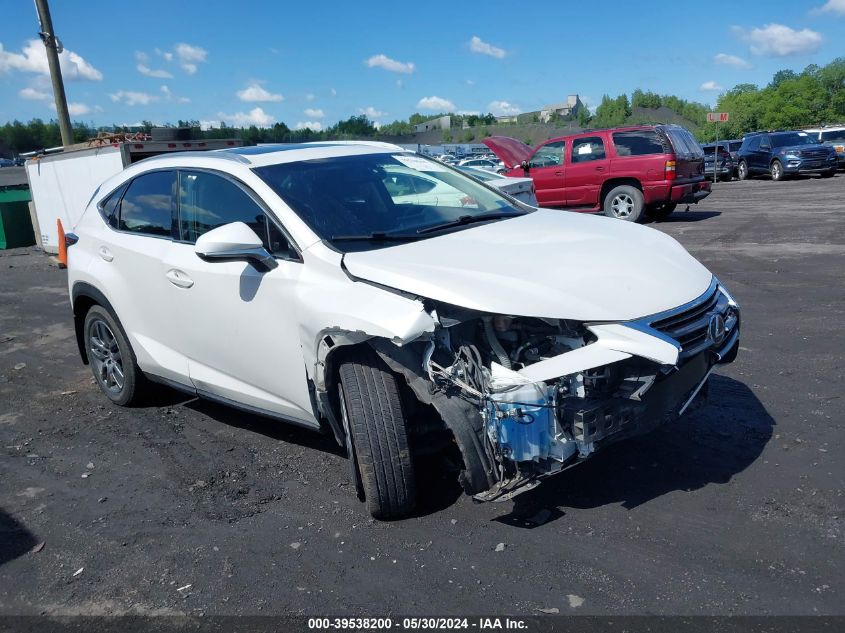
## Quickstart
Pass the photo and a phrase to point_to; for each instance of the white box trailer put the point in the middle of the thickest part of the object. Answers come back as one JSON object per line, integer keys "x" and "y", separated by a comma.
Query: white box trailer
{"x": 62, "y": 183}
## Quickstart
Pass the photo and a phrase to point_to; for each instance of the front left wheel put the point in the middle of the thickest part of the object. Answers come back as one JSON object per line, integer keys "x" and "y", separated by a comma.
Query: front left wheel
{"x": 377, "y": 436}
{"x": 111, "y": 358}
{"x": 776, "y": 170}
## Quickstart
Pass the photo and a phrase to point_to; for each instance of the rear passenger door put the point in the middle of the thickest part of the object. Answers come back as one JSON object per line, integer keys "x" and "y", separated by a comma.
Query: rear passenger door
{"x": 586, "y": 169}
{"x": 546, "y": 168}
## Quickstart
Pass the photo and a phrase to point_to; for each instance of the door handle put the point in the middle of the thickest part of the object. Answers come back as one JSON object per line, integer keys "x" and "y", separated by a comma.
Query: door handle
{"x": 599, "y": 168}
{"x": 558, "y": 173}
{"x": 105, "y": 253}
{"x": 179, "y": 278}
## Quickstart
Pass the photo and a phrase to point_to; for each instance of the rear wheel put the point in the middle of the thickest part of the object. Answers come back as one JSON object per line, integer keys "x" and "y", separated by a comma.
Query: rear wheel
{"x": 377, "y": 436}
{"x": 624, "y": 203}
{"x": 776, "y": 170}
{"x": 111, "y": 358}
{"x": 742, "y": 171}
{"x": 660, "y": 210}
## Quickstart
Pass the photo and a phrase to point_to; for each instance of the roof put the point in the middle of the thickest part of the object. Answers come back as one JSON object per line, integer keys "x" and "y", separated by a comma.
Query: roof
{"x": 271, "y": 154}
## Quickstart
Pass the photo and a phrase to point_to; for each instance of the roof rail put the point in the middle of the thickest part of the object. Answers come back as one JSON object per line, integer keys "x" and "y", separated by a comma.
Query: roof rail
{"x": 382, "y": 144}
{"x": 215, "y": 153}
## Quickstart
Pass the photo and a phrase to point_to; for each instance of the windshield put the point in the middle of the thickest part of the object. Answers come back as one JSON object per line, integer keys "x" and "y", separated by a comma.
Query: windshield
{"x": 792, "y": 138}
{"x": 375, "y": 200}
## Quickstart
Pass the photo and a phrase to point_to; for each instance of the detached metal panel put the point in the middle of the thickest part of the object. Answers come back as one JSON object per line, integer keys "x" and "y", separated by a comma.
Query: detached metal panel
{"x": 62, "y": 185}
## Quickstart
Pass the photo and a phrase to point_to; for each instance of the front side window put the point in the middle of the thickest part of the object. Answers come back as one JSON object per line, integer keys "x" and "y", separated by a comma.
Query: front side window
{"x": 549, "y": 155}
{"x": 207, "y": 201}
{"x": 754, "y": 144}
{"x": 587, "y": 148}
{"x": 833, "y": 136}
{"x": 147, "y": 206}
{"x": 372, "y": 201}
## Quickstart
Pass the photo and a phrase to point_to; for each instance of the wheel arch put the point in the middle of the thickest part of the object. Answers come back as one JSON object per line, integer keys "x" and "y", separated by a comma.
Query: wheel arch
{"x": 608, "y": 185}
{"x": 83, "y": 297}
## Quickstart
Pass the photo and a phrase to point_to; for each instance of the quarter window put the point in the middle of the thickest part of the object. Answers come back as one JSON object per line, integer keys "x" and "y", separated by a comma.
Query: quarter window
{"x": 111, "y": 207}
{"x": 638, "y": 143}
{"x": 207, "y": 201}
{"x": 147, "y": 206}
{"x": 587, "y": 148}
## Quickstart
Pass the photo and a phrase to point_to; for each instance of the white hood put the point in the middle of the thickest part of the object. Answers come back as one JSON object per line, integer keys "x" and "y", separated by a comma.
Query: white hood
{"x": 553, "y": 264}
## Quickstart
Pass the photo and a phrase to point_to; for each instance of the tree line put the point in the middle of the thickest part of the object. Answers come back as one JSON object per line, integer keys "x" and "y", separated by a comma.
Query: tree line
{"x": 811, "y": 97}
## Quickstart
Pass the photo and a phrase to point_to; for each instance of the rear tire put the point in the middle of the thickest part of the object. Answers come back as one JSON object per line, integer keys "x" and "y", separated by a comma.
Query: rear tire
{"x": 624, "y": 203}
{"x": 372, "y": 411}
{"x": 112, "y": 359}
{"x": 660, "y": 210}
{"x": 776, "y": 170}
{"x": 742, "y": 171}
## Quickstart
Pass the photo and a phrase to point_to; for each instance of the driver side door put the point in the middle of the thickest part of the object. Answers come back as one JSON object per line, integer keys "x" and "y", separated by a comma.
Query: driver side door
{"x": 236, "y": 324}
{"x": 546, "y": 168}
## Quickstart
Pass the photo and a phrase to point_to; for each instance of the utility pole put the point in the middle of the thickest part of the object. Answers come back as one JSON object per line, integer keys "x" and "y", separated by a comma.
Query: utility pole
{"x": 53, "y": 46}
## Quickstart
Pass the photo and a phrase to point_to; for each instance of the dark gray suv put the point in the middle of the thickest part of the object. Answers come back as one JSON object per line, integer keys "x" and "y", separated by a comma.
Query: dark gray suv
{"x": 782, "y": 154}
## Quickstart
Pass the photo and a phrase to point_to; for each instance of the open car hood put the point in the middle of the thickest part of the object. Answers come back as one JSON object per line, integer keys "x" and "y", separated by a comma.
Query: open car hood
{"x": 552, "y": 264}
{"x": 509, "y": 150}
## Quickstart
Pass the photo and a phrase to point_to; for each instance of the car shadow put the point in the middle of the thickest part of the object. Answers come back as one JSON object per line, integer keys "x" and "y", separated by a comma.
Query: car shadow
{"x": 708, "y": 446}
{"x": 269, "y": 427}
{"x": 15, "y": 539}
{"x": 685, "y": 216}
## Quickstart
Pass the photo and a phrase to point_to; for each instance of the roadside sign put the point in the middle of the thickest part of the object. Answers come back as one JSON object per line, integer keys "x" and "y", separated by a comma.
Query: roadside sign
{"x": 718, "y": 117}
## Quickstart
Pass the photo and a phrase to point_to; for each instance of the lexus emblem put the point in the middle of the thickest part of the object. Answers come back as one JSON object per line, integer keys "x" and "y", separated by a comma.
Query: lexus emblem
{"x": 716, "y": 329}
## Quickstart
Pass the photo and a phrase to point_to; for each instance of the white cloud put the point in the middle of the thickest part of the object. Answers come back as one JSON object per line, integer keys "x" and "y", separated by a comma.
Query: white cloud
{"x": 334, "y": 92}
{"x": 731, "y": 60}
{"x": 315, "y": 126}
{"x": 310, "y": 97}
{"x": 78, "y": 109}
{"x": 255, "y": 92}
{"x": 132, "y": 98}
{"x": 503, "y": 108}
{"x": 33, "y": 59}
{"x": 710, "y": 86}
{"x": 167, "y": 55}
{"x": 831, "y": 6}
{"x": 469, "y": 82}
{"x": 143, "y": 59}
{"x": 371, "y": 113}
{"x": 188, "y": 57}
{"x": 256, "y": 116}
{"x": 168, "y": 94}
{"x": 400, "y": 84}
{"x": 34, "y": 94}
{"x": 477, "y": 45}
{"x": 436, "y": 103}
{"x": 314, "y": 113}
{"x": 777, "y": 40}
{"x": 383, "y": 61}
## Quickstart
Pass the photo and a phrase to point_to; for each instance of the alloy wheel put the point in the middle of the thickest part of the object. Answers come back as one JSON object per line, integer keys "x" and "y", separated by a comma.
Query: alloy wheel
{"x": 622, "y": 205}
{"x": 105, "y": 355}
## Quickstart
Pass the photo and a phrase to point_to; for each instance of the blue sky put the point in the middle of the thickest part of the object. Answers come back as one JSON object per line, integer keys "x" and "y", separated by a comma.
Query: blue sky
{"x": 305, "y": 64}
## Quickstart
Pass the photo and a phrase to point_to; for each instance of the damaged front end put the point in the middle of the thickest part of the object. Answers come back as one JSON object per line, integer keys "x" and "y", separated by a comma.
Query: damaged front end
{"x": 526, "y": 397}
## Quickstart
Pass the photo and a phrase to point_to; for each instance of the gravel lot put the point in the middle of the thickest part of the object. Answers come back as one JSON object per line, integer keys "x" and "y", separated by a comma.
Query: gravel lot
{"x": 189, "y": 507}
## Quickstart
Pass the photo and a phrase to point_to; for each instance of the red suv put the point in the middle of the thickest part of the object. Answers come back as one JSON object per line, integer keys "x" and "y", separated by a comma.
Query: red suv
{"x": 621, "y": 171}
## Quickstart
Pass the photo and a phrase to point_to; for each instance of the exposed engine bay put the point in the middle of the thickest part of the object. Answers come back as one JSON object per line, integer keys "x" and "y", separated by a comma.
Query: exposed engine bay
{"x": 535, "y": 428}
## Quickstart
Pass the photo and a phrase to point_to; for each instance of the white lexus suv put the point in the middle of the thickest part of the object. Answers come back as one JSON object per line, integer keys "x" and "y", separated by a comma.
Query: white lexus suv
{"x": 312, "y": 284}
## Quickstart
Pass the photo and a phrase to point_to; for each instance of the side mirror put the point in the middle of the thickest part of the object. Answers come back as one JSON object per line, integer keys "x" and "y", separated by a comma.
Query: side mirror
{"x": 234, "y": 241}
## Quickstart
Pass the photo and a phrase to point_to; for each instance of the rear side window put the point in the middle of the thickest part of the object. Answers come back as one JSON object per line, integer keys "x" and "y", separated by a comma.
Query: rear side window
{"x": 838, "y": 135}
{"x": 638, "y": 143}
{"x": 147, "y": 206}
{"x": 587, "y": 148}
{"x": 735, "y": 146}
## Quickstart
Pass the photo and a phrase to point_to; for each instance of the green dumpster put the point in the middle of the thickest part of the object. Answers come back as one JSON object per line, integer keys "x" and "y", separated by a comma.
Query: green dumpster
{"x": 15, "y": 223}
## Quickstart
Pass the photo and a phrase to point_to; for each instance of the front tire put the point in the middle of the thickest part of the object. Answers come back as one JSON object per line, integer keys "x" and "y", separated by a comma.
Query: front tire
{"x": 372, "y": 411}
{"x": 776, "y": 170}
{"x": 112, "y": 359}
{"x": 660, "y": 210}
{"x": 624, "y": 203}
{"x": 742, "y": 171}
{"x": 829, "y": 174}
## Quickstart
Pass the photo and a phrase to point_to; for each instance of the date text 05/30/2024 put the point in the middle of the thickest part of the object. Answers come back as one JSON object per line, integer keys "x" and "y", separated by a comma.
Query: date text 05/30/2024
{"x": 481, "y": 624}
